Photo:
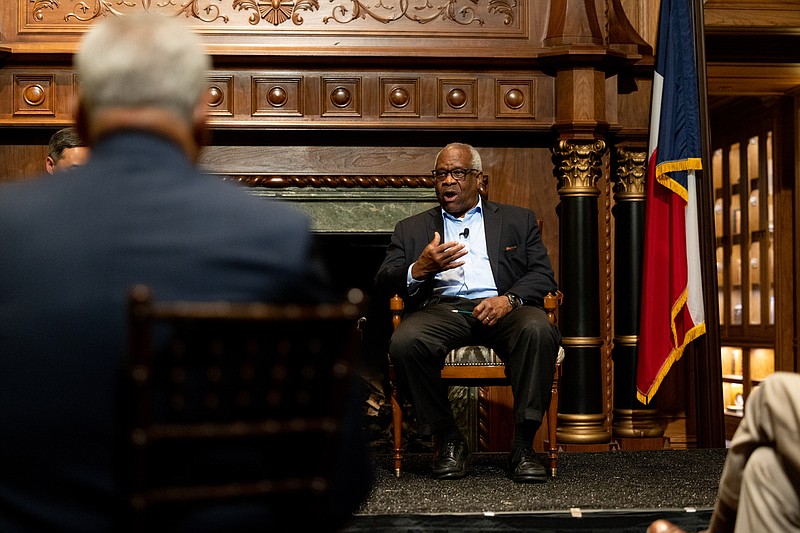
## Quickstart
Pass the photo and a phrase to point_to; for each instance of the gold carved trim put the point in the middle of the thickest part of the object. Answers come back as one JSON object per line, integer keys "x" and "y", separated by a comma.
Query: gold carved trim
{"x": 629, "y": 174}
{"x": 582, "y": 342}
{"x": 578, "y": 166}
{"x": 607, "y": 294}
{"x": 365, "y": 182}
{"x": 626, "y": 340}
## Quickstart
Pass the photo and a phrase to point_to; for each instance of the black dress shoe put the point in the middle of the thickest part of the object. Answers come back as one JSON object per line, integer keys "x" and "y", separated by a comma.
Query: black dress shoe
{"x": 524, "y": 467}
{"x": 450, "y": 459}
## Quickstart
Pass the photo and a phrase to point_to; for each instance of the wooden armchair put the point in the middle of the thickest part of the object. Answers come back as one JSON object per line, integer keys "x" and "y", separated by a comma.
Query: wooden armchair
{"x": 488, "y": 372}
{"x": 232, "y": 402}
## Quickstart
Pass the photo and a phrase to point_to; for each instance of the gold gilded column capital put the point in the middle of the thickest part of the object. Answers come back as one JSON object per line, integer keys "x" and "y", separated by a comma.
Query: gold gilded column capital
{"x": 629, "y": 173}
{"x": 578, "y": 166}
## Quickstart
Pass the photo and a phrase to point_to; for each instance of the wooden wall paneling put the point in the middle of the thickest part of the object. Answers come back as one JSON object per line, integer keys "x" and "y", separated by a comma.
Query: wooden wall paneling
{"x": 633, "y": 106}
{"x": 524, "y": 176}
{"x": 22, "y": 153}
{"x": 37, "y": 95}
{"x": 742, "y": 15}
{"x": 643, "y": 15}
{"x": 795, "y": 205}
{"x": 414, "y": 98}
{"x": 785, "y": 138}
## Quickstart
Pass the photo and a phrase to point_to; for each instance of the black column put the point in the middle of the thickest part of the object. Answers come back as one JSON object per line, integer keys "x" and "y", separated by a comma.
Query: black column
{"x": 581, "y": 417}
{"x": 631, "y": 417}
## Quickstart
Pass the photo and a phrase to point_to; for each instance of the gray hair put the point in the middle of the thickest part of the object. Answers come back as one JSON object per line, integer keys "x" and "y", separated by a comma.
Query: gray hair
{"x": 142, "y": 60}
{"x": 61, "y": 140}
{"x": 476, "y": 162}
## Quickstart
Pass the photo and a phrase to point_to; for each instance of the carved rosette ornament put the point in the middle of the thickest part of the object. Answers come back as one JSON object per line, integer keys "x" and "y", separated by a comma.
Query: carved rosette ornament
{"x": 629, "y": 173}
{"x": 578, "y": 166}
{"x": 276, "y": 11}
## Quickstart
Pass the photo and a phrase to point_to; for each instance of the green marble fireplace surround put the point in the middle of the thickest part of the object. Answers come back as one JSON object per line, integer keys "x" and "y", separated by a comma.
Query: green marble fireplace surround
{"x": 336, "y": 210}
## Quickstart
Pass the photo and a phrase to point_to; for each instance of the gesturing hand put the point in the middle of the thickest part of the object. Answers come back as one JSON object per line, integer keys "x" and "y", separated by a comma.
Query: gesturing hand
{"x": 438, "y": 257}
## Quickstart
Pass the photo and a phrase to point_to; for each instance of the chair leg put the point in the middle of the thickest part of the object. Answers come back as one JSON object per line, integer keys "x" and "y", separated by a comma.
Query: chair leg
{"x": 397, "y": 423}
{"x": 552, "y": 422}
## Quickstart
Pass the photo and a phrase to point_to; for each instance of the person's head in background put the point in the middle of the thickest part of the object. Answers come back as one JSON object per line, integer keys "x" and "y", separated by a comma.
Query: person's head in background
{"x": 65, "y": 150}
{"x": 143, "y": 72}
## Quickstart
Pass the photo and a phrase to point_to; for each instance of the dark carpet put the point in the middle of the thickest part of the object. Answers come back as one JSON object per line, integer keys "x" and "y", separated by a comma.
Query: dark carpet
{"x": 609, "y": 491}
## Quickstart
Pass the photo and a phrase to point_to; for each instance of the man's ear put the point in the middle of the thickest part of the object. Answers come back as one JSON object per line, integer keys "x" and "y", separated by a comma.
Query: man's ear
{"x": 49, "y": 165}
{"x": 483, "y": 186}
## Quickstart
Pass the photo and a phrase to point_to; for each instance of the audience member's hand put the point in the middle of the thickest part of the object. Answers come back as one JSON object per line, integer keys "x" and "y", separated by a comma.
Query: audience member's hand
{"x": 437, "y": 258}
{"x": 665, "y": 526}
{"x": 490, "y": 310}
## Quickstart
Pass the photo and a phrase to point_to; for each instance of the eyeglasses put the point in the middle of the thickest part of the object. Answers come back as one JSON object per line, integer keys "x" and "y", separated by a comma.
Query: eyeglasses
{"x": 459, "y": 174}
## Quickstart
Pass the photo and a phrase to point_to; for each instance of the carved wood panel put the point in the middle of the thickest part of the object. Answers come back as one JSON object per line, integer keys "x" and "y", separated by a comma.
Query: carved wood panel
{"x": 34, "y": 95}
{"x": 277, "y": 96}
{"x": 376, "y": 99}
{"x": 495, "y": 18}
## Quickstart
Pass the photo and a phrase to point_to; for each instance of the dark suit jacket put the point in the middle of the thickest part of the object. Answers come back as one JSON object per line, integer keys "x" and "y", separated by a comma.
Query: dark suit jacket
{"x": 517, "y": 254}
{"x": 73, "y": 244}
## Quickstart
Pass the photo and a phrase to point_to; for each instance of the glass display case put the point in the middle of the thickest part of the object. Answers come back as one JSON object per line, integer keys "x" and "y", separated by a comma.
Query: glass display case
{"x": 742, "y": 369}
{"x": 742, "y": 171}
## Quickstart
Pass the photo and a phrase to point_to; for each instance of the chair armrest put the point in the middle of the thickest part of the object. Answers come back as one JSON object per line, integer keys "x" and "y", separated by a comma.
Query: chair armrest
{"x": 551, "y": 303}
{"x": 396, "y": 306}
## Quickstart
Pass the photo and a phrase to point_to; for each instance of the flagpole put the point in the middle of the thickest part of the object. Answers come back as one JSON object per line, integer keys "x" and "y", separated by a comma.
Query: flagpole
{"x": 710, "y": 419}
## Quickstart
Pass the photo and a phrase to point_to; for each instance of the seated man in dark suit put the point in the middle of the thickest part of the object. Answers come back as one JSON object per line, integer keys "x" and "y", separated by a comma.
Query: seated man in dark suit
{"x": 139, "y": 211}
{"x": 471, "y": 272}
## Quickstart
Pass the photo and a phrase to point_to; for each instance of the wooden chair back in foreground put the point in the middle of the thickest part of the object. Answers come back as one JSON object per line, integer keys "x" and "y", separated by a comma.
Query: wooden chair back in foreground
{"x": 231, "y": 402}
{"x": 462, "y": 367}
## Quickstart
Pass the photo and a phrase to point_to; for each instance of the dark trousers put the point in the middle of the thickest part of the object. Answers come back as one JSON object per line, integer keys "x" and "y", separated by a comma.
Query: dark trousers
{"x": 524, "y": 339}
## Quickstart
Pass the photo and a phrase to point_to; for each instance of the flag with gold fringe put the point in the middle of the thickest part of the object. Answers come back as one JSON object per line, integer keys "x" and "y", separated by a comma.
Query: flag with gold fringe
{"x": 672, "y": 310}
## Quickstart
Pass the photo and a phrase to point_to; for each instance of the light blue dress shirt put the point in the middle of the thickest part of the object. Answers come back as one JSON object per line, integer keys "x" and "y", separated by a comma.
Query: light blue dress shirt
{"x": 474, "y": 278}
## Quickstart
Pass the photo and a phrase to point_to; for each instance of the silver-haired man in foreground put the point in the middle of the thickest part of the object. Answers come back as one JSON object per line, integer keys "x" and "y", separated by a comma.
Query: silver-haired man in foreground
{"x": 139, "y": 211}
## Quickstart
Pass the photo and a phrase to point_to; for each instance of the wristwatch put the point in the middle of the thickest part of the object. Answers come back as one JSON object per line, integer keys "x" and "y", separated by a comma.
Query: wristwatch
{"x": 514, "y": 300}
